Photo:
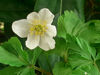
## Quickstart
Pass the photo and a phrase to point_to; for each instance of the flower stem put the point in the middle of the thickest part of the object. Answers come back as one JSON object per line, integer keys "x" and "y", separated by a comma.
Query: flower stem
{"x": 41, "y": 70}
{"x": 66, "y": 55}
{"x": 60, "y": 7}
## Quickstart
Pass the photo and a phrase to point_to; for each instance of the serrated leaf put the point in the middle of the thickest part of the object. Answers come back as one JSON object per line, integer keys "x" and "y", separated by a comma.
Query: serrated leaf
{"x": 71, "y": 42}
{"x": 81, "y": 53}
{"x": 69, "y": 23}
{"x": 87, "y": 50}
{"x": 62, "y": 69}
{"x": 9, "y": 58}
{"x": 77, "y": 60}
{"x": 87, "y": 69}
{"x": 91, "y": 31}
{"x": 61, "y": 29}
{"x": 75, "y": 5}
{"x": 91, "y": 69}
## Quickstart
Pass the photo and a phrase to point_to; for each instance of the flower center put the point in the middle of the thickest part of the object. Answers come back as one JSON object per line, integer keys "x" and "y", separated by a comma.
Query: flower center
{"x": 38, "y": 29}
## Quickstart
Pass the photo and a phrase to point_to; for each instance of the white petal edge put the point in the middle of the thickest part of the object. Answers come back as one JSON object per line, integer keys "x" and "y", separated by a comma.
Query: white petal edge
{"x": 32, "y": 41}
{"x": 47, "y": 43}
{"x": 21, "y": 28}
{"x": 51, "y": 31}
{"x": 46, "y": 15}
{"x": 32, "y": 16}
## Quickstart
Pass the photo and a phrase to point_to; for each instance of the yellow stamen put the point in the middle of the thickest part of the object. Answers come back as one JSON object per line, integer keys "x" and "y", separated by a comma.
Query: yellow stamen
{"x": 38, "y": 29}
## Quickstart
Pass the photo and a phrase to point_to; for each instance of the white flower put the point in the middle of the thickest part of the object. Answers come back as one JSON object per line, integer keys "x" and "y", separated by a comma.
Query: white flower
{"x": 38, "y": 29}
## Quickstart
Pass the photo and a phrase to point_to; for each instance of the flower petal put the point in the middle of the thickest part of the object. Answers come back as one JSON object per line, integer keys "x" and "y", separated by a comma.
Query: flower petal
{"x": 51, "y": 31}
{"x": 21, "y": 28}
{"x": 33, "y": 17}
{"x": 32, "y": 41}
{"x": 47, "y": 43}
{"x": 46, "y": 15}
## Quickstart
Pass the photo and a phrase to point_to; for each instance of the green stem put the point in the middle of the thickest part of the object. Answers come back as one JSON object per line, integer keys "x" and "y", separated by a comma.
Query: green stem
{"x": 61, "y": 8}
{"x": 66, "y": 55}
{"x": 41, "y": 70}
{"x": 96, "y": 66}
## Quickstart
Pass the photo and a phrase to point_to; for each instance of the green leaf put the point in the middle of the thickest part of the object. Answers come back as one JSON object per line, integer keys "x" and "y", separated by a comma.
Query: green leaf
{"x": 53, "y": 59}
{"x": 81, "y": 52}
{"x": 36, "y": 54}
{"x": 47, "y": 61}
{"x": 98, "y": 56}
{"x": 91, "y": 31}
{"x": 27, "y": 71}
{"x": 90, "y": 69}
{"x": 43, "y": 62}
{"x": 9, "y": 58}
{"x": 71, "y": 42}
{"x": 78, "y": 72}
{"x": 10, "y": 71}
{"x": 33, "y": 55}
{"x": 86, "y": 50}
{"x": 69, "y": 23}
{"x": 61, "y": 29}
{"x": 14, "y": 46}
{"x": 77, "y": 60}
{"x": 98, "y": 64}
{"x": 62, "y": 69}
